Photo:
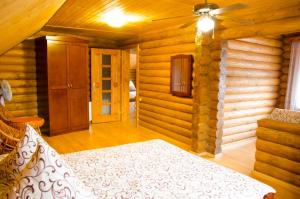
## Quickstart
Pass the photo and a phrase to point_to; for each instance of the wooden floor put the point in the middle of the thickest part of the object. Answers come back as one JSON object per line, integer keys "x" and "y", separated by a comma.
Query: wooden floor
{"x": 240, "y": 159}
{"x": 106, "y": 135}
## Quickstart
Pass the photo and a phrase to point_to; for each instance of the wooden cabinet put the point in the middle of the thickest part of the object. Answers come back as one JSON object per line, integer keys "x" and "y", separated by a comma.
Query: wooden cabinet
{"x": 64, "y": 63}
{"x": 181, "y": 75}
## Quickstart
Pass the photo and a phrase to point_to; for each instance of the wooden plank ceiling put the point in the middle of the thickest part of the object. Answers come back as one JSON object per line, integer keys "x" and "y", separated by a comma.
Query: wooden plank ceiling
{"x": 83, "y": 17}
{"x": 20, "y": 19}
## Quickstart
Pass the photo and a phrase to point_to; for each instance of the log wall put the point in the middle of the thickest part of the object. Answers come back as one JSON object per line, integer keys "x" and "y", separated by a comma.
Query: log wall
{"x": 284, "y": 71}
{"x": 252, "y": 82}
{"x": 207, "y": 98}
{"x": 18, "y": 66}
{"x": 278, "y": 150}
{"x": 158, "y": 109}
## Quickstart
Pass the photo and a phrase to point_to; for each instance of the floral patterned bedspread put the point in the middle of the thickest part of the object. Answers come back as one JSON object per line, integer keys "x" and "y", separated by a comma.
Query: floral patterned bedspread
{"x": 156, "y": 169}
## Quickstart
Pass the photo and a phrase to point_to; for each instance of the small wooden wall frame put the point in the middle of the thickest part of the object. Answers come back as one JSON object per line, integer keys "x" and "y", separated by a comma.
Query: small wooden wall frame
{"x": 181, "y": 75}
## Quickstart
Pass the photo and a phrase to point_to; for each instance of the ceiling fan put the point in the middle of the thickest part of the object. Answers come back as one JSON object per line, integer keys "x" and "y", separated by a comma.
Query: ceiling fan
{"x": 207, "y": 13}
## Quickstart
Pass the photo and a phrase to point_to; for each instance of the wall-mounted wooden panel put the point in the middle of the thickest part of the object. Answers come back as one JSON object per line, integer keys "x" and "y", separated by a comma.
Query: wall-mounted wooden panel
{"x": 252, "y": 82}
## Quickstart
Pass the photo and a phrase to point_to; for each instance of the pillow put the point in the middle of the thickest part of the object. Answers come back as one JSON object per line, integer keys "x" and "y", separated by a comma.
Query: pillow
{"x": 45, "y": 175}
{"x": 285, "y": 115}
{"x": 16, "y": 161}
{"x": 131, "y": 86}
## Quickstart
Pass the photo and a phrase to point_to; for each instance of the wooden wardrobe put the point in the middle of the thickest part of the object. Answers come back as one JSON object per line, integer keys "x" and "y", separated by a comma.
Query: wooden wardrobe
{"x": 63, "y": 61}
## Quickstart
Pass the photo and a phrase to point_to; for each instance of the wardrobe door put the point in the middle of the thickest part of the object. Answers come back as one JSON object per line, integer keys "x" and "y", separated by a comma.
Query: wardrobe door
{"x": 57, "y": 87}
{"x": 78, "y": 95}
{"x": 58, "y": 111}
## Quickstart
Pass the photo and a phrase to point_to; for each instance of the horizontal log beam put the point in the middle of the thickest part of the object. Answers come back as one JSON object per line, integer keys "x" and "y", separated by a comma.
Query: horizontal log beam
{"x": 179, "y": 48}
{"x": 239, "y": 129}
{"x": 251, "y": 89}
{"x": 160, "y": 58}
{"x": 278, "y": 150}
{"x": 154, "y": 73}
{"x": 279, "y": 137}
{"x": 155, "y": 66}
{"x": 18, "y": 68}
{"x": 252, "y": 47}
{"x": 263, "y": 41}
{"x": 155, "y": 80}
{"x": 240, "y": 63}
{"x": 246, "y": 72}
{"x": 165, "y": 132}
{"x": 168, "y": 112}
{"x": 278, "y": 173}
{"x": 247, "y": 113}
{"x": 168, "y": 119}
{"x": 248, "y": 105}
{"x": 166, "y": 104}
{"x": 291, "y": 25}
{"x": 237, "y": 137}
{"x": 238, "y": 54}
{"x": 242, "y": 121}
{"x": 231, "y": 98}
{"x": 165, "y": 125}
{"x": 153, "y": 87}
{"x": 17, "y": 75}
{"x": 5, "y": 60}
{"x": 166, "y": 97}
{"x": 277, "y": 161}
{"x": 29, "y": 53}
{"x": 239, "y": 81}
{"x": 280, "y": 126}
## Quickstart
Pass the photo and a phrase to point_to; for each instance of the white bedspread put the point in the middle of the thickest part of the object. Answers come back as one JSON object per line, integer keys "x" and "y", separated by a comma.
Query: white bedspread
{"x": 156, "y": 169}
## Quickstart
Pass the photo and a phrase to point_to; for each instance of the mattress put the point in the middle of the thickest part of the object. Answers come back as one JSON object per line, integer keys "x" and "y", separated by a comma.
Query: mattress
{"x": 157, "y": 169}
{"x": 132, "y": 95}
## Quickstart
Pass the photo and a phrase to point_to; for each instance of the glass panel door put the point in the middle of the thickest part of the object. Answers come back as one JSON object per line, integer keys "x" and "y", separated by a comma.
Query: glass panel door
{"x": 106, "y": 84}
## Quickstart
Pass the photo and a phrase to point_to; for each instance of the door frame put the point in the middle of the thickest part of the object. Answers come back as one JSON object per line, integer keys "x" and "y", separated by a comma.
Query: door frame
{"x": 125, "y": 83}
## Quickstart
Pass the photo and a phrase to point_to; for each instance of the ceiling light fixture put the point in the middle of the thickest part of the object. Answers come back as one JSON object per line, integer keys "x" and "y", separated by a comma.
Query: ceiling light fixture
{"x": 116, "y": 18}
{"x": 205, "y": 23}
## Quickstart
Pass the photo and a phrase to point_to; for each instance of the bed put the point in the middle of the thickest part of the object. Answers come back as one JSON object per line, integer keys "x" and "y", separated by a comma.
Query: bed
{"x": 151, "y": 169}
{"x": 156, "y": 169}
{"x": 132, "y": 91}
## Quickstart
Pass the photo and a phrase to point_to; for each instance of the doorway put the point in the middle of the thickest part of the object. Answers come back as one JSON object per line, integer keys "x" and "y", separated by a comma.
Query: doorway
{"x": 132, "y": 84}
{"x": 114, "y": 75}
{"x": 106, "y": 78}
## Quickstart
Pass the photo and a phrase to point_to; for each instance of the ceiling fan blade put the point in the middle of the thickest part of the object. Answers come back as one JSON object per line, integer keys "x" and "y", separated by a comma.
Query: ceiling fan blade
{"x": 232, "y": 7}
{"x": 187, "y": 24}
{"x": 176, "y": 17}
{"x": 237, "y": 20}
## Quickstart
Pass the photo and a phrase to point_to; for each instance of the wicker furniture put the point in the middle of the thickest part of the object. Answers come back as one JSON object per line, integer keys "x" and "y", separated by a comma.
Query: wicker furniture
{"x": 20, "y": 122}
{"x": 9, "y": 137}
